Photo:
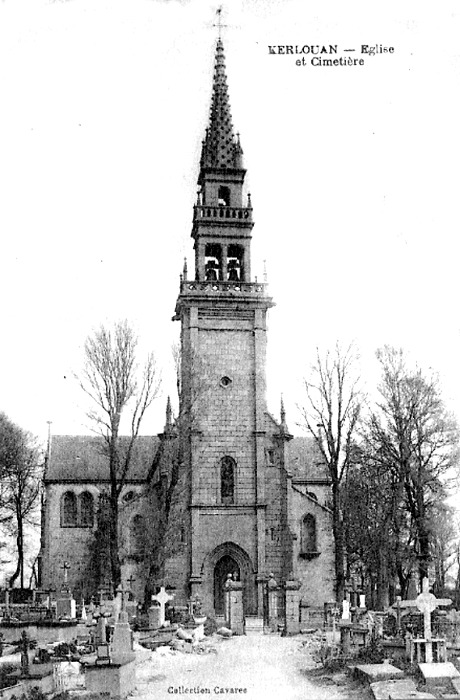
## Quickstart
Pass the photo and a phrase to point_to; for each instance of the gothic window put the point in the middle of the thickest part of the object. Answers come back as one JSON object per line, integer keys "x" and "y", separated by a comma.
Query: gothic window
{"x": 69, "y": 510}
{"x": 86, "y": 503}
{"x": 223, "y": 196}
{"x": 235, "y": 262}
{"x": 213, "y": 262}
{"x": 227, "y": 480}
{"x": 137, "y": 536}
{"x": 308, "y": 534}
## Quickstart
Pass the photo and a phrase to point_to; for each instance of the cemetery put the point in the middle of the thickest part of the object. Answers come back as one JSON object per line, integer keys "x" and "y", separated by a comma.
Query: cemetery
{"x": 95, "y": 649}
{"x": 160, "y": 548}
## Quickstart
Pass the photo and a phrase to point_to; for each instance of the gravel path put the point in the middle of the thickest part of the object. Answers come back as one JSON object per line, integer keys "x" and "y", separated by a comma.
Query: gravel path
{"x": 251, "y": 668}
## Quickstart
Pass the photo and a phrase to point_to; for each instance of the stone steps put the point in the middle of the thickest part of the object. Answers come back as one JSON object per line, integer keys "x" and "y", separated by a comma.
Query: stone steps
{"x": 254, "y": 625}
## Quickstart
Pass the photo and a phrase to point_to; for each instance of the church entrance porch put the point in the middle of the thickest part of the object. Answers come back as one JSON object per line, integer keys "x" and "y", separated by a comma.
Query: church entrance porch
{"x": 227, "y": 558}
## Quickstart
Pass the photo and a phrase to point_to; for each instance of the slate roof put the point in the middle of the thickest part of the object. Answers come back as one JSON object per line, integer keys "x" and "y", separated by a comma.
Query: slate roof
{"x": 220, "y": 148}
{"x": 303, "y": 459}
{"x": 82, "y": 458}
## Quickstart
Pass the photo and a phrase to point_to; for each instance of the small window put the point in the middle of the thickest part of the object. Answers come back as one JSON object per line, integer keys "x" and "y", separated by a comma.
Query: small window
{"x": 227, "y": 480}
{"x": 86, "y": 509}
{"x": 271, "y": 458}
{"x": 224, "y": 196}
{"x": 225, "y": 381}
{"x": 308, "y": 534}
{"x": 69, "y": 510}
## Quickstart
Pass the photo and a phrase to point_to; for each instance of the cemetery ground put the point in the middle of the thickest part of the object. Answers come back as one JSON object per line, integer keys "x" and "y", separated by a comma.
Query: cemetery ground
{"x": 253, "y": 667}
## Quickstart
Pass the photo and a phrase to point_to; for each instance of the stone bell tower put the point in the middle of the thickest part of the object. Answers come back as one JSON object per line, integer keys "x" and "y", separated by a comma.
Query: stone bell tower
{"x": 223, "y": 340}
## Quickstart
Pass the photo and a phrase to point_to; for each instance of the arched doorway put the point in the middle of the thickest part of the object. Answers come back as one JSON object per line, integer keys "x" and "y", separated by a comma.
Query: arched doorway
{"x": 226, "y": 565}
{"x": 227, "y": 558}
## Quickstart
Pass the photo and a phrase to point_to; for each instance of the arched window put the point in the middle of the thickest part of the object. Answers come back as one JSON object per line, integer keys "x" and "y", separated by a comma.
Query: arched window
{"x": 227, "y": 480}
{"x": 308, "y": 534}
{"x": 69, "y": 510}
{"x": 235, "y": 257}
{"x": 224, "y": 196}
{"x": 137, "y": 536}
{"x": 86, "y": 502}
{"x": 213, "y": 262}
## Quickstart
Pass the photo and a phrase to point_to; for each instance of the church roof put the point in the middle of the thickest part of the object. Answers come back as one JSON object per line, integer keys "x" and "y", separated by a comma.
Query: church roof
{"x": 84, "y": 458}
{"x": 220, "y": 148}
{"x": 303, "y": 459}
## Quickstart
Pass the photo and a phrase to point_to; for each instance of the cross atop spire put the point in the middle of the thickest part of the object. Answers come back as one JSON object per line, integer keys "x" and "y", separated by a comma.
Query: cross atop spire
{"x": 219, "y": 24}
{"x": 220, "y": 147}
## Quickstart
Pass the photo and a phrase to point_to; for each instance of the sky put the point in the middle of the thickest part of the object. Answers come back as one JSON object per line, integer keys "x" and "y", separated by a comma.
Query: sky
{"x": 353, "y": 173}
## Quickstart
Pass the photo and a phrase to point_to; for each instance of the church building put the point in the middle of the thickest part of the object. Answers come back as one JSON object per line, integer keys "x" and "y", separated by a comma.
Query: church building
{"x": 225, "y": 488}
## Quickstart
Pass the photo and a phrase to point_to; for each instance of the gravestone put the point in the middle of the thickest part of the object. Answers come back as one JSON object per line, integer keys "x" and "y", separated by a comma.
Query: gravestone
{"x": 234, "y": 605}
{"x": 122, "y": 641}
{"x": 100, "y": 636}
{"x": 68, "y": 676}
{"x": 66, "y": 606}
{"x": 272, "y": 587}
{"x": 162, "y": 598}
{"x": 427, "y": 603}
{"x": 345, "y": 610}
{"x": 291, "y": 607}
{"x": 154, "y": 617}
{"x": 24, "y": 654}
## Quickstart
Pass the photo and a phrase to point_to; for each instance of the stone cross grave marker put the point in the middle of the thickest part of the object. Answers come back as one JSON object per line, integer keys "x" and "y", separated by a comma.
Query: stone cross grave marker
{"x": 65, "y": 567}
{"x": 162, "y": 598}
{"x": 427, "y": 603}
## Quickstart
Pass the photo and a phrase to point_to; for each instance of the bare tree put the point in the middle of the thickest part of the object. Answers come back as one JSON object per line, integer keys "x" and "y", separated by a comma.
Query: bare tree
{"x": 21, "y": 477}
{"x": 119, "y": 388}
{"x": 171, "y": 478}
{"x": 331, "y": 415}
{"x": 411, "y": 434}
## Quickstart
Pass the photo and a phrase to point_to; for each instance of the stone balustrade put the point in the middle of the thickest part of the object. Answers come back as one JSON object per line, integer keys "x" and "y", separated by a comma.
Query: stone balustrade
{"x": 218, "y": 287}
{"x": 217, "y": 213}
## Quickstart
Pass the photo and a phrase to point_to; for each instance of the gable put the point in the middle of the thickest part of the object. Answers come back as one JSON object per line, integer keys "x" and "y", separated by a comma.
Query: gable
{"x": 304, "y": 460}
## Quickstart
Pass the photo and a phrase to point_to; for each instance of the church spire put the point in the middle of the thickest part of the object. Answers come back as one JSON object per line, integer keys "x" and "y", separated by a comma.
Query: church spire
{"x": 220, "y": 147}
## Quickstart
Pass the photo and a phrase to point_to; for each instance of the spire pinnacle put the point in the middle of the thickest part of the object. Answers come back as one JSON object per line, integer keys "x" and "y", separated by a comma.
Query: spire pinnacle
{"x": 168, "y": 424}
{"x": 220, "y": 147}
{"x": 282, "y": 413}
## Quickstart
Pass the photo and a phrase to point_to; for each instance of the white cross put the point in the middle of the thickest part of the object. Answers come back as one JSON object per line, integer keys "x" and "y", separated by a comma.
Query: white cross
{"x": 162, "y": 598}
{"x": 427, "y": 603}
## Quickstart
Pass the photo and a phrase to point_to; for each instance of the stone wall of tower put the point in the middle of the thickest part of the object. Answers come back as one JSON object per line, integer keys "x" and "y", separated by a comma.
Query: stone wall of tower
{"x": 226, "y": 414}
{"x": 277, "y": 537}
